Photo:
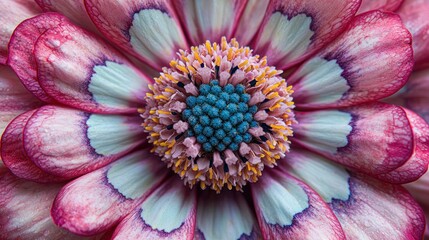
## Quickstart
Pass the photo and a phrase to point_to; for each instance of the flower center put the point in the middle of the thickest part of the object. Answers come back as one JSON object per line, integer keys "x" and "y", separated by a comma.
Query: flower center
{"x": 219, "y": 115}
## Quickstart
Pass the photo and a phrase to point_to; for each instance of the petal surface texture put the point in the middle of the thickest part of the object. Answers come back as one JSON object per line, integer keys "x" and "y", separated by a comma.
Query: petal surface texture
{"x": 415, "y": 95}
{"x": 293, "y": 30}
{"x": 414, "y": 14}
{"x": 98, "y": 79}
{"x": 250, "y": 21}
{"x": 417, "y": 164}
{"x": 98, "y": 200}
{"x": 13, "y": 12}
{"x": 209, "y": 20}
{"x": 24, "y": 210}
{"x": 150, "y": 30}
{"x": 366, "y": 208}
{"x": 420, "y": 190}
{"x": 92, "y": 140}
{"x": 386, "y": 5}
{"x": 74, "y": 10}
{"x": 22, "y": 43}
{"x": 15, "y": 99}
{"x": 373, "y": 138}
{"x": 225, "y": 216}
{"x": 168, "y": 213}
{"x": 364, "y": 64}
{"x": 287, "y": 208}
{"x": 14, "y": 155}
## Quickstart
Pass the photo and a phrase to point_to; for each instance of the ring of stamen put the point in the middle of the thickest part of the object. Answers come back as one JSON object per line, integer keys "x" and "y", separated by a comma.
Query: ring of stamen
{"x": 218, "y": 115}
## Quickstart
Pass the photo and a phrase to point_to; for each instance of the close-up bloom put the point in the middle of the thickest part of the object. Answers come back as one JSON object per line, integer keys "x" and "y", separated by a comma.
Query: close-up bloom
{"x": 414, "y": 95}
{"x": 213, "y": 119}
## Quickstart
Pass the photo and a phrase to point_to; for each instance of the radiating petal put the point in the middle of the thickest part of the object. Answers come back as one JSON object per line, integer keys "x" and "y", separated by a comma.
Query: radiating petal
{"x": 415, "y": 95}
{"x": 420, "y": 190}
{"x": 11, "y": 14}
{"x": 366, "y": 63}
{"x": 15, "y": 99}
{"x": 70, "y": 143}
{"x": 328, "y": 179}
{"x": 24, "y": 210}
{"x": 414, "y": 15}
{"x": 14, "y": 156}
{"x": 287, "y": 208}
{"x": 373, "y": 138}
{"x": 250, "y": 21}
{"x": 98, "y": 79}
{"x": 98, "y": 200}
{"x": 73, "y": 9}
{"x": 366, "y": 208}
{"x": 21, "y": 47}
{"x": 148, "y": 29}
{"x": 386, "y": 5}
{"x": 293, "y": 30}
{"x": 209, "y": 20}
{"x": 168, "y": 213}
{"x": 225, "y": 216}
{"x": 417, "y": 164}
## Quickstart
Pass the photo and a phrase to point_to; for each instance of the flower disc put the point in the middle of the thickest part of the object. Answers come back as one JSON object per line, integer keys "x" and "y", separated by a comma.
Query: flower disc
{"x": 218, "y": 115}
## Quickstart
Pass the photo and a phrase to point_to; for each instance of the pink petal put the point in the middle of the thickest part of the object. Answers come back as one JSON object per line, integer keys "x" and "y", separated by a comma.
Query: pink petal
{"x": 225, "y": 216}
{"x": 366, "y": 208}
{"x": 24, "y": 210}
{"x": 414, "y": 15}
{"x": 293, "y": 30}
{"x": 364, "y": 64}
{"x": 417, "y": 164}
{"x": 11, "y": 14}
{"x": 209, "y": 20}
{"x": 288, "y": 208}
{"x": 14, "y": 156}
{"x": 374, "y": 138}
{"x": 15, "y": 99}
{"x": 250, "y": 21}
{"x": 21, "y": 48}
{"x": 379, "y": 211}
{"x": 420, "y": 190}
{"x": 70, "y": 143}
{"x": 98, "y": 200}
{"x": 328, "y": 179}
{"x": 73, "y": 9}
{"x": 98, "y": 79}
{"x": 150, "y": 30}
{"x": 385, "y": 5}
{"x": 168, "y": 213}
{"x": 415, "y": 96}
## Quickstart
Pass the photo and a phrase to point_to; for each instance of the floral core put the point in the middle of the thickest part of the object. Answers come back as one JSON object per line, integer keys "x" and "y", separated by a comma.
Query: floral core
{"x": 218, "y": 115}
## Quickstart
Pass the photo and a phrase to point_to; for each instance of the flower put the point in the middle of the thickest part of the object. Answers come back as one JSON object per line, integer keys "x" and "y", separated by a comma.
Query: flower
{"x": 222, "y": 143}
{"x": 414, "y": 94}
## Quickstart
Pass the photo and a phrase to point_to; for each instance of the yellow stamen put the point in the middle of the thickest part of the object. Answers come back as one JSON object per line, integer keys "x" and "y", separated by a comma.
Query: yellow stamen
{"x": 182, "y": 69}
{"x": 158, "y": 97}
{"x": 209, "y": 47}
{"x": 217, "y": 60}
{"x": 173, "y": 64}
{"x": 197, "y": 56}
{"x": 244, "y": 63}
{"x": 223, "y": 43}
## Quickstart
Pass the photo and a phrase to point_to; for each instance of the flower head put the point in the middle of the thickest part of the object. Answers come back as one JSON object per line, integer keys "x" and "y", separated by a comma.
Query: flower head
{"x": 219, "y": 115}
{"x": 237, "y": 119}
